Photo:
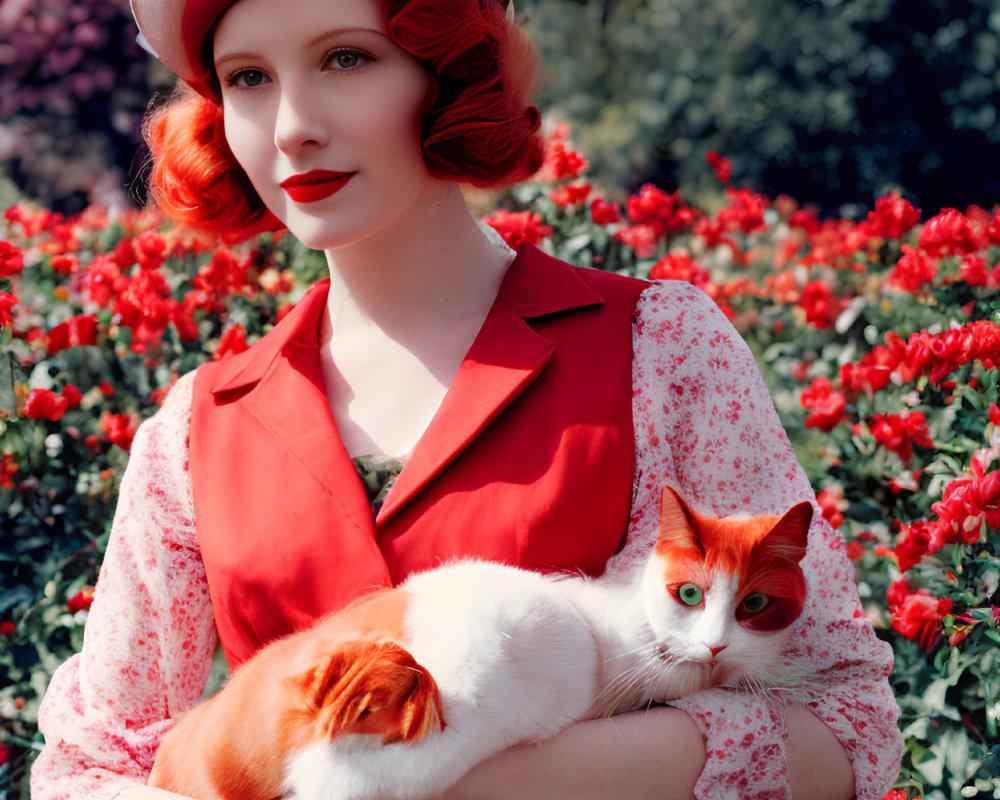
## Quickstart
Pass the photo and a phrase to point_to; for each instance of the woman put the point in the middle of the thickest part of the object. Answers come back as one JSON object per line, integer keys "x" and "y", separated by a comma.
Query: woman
{"x": 503, "y": 382}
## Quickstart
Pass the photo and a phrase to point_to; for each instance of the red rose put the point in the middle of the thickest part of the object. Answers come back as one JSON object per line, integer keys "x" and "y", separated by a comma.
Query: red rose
{"x": 571, "y": 195}
{"x": 948, "y": 234}
{"x": 919, "y": 618}
{"x": 519, "y": 227}
{"x": 7, "y": 628}
{"x": 893, "y": 216}
{"x": 7, "y": 302}
{"x": 72, "y": 395}
{"x": 119, "y": 429}
{"x": 604, "y": 213}
{"x": 44, "y": 404}
{"x": 11, "y": 260}
{"x": 82, "y": 600}
{"x": 722, "y": 166}
{"x": 232, "y": 341}
{"x": 78, "y": 331}
{"x": 827, "y": 405}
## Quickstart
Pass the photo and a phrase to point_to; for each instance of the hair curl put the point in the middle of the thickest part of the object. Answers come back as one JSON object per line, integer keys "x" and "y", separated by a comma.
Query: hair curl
{"x": 481, "y": 129}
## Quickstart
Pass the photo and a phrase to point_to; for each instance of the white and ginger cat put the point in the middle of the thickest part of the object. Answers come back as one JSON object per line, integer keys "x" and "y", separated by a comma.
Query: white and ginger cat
{"x": 402, "y": 692}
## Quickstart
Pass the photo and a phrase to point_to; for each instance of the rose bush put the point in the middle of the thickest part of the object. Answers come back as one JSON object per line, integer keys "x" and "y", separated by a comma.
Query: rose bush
{"x": 879, "y": 338}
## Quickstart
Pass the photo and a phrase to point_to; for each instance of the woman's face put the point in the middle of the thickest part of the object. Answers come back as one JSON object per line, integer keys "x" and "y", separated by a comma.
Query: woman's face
{"x": 323, "y": 112}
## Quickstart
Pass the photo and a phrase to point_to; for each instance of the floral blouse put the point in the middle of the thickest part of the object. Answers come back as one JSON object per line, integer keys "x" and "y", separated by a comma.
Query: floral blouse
{"x": 703, "y": 422}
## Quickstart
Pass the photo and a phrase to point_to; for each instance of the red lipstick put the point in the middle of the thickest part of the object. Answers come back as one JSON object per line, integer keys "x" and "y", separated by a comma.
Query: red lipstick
{"x": 318, "y": 184}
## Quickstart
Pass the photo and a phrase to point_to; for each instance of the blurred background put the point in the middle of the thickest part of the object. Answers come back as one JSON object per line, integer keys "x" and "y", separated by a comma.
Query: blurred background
{"x": 831, "y": 101}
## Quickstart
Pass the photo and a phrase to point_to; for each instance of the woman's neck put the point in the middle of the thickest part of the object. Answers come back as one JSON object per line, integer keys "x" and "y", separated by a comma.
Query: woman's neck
{"x": 403, "y": 309}
{"x": 433, "y": 264}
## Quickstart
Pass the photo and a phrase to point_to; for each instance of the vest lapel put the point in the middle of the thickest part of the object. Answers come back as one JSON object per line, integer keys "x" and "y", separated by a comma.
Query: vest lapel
{"x": 504, "y": 360}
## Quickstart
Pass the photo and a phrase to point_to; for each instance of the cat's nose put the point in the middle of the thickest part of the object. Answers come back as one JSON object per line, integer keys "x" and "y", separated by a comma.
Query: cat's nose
{"x": 716, "y": 650}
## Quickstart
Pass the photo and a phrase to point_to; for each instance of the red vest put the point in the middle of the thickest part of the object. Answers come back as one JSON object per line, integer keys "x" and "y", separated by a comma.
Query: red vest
{"x": 529, "y": 460}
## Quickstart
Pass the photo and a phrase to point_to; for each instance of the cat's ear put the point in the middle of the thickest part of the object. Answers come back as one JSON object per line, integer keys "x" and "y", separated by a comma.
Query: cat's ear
{"x": 677, "y": 530}
{"x": 789, "y": 536}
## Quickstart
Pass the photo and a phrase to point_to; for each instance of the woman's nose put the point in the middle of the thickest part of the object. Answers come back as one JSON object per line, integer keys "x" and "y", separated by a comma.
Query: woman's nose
{"x": 299, "y": 122}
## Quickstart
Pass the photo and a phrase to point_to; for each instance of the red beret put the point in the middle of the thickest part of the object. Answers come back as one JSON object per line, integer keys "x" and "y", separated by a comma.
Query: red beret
{"x": 176, "y": 30}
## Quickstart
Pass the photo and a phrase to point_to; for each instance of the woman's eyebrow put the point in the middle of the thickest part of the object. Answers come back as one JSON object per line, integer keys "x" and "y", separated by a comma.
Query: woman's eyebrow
{"x": 244, "y": 56}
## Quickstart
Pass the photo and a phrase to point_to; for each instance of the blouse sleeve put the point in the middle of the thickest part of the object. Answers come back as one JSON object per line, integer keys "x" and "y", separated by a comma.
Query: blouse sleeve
{"x": 705, "y": 424}
{"x": 150, "y": 634}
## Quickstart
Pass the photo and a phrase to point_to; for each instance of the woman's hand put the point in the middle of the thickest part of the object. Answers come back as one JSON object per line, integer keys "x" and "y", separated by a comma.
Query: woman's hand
{"x": 657, "y": 753}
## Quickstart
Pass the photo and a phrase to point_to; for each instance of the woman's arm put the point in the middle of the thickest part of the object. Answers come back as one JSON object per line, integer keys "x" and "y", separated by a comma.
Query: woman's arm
{"x": 150, "y": 633}
{"x": 648, "y": 755}
{"x": 706, "y": 425}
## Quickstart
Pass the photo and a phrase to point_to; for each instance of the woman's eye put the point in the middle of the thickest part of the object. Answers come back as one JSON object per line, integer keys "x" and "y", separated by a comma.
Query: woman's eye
{"x": 248, "y": 78}
{"x": 346, "y": 59}
{"x": 690, "y": 594}
{"x": 755, "y": 603}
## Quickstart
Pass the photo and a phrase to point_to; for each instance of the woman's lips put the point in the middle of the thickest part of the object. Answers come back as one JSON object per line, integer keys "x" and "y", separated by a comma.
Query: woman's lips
{"x": 309, "y": 187}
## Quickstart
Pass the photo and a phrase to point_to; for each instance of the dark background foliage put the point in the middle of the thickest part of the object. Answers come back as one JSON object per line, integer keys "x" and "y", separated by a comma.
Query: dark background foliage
{"x": 832, "y": 101}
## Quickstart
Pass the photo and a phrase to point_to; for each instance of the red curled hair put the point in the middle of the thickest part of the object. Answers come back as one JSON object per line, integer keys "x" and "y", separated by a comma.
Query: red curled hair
{"x": 481, "y": 129}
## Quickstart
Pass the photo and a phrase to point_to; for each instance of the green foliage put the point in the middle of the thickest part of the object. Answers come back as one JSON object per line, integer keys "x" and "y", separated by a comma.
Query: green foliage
{"x": 816, "y": 301}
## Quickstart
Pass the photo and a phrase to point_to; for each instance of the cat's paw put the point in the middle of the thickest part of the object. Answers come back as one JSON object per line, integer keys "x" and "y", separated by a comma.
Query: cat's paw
{"x": 374, "y": 688}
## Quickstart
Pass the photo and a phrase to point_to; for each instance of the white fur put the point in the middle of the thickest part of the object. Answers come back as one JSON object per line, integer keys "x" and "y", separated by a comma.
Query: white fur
{"x": 518, "y": 656}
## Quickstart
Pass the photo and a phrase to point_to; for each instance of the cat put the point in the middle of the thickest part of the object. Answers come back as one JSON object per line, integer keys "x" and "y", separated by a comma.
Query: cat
{"x": 402, "y": 692}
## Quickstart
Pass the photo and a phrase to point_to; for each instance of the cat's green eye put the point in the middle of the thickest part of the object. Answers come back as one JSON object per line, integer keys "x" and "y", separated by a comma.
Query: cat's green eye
{"x": 690, "y": 594}
{"x": 756, "y": 602}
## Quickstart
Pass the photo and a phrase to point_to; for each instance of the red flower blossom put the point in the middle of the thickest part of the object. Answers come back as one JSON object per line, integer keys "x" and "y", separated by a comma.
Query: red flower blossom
{"x": 641, "y": 238}
{"x": 120, "y": 429}
{"x": 917, "y": 615}
{"x": 232, "y": 341}
{"x": 604, "y": 213}
{"x": 977, "y": 272}
{"x": 72, "y": 395}
{"x": 899, "y": 434}
{"x": 7, "y": 302}
{"x": 45, "y": 404}
{"x": 679, "y": 266}
{"x": 827, "y": 405}
{"x": 744, "y": 213}
{"x": 913, "y": 544}
{"x": 65, "y": 264}
{"x": 518, "y": 227}
{"x": 722, "y": 166}
{"x": 832, "y": 504}
{"x": 570, "y": 195}
{"x": 821, "y": 305}
{"x": 8, "y": 468}
{"x": 7, "y": 628}
{"x": 560, "y": 162}
{"x": 893, "y": 216}
{"x": 82, "y": 600}
{"x": 948, "y": 234}
{"x": 912, "y": 271}
{"x": 11, "y": 259}
{"x": 966, "y": 503}
{"x": 78, "y": 331}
